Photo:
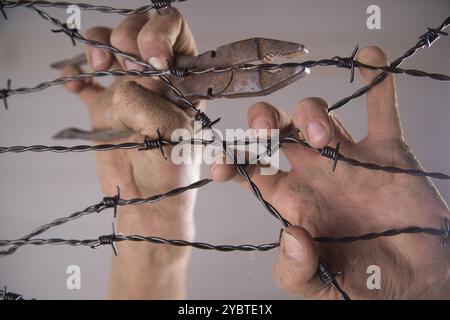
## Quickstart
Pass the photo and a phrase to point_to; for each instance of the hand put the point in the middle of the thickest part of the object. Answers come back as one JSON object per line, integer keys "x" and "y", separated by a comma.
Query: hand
{"x": 138, "y": 104}
{"x": 352, "y": 201}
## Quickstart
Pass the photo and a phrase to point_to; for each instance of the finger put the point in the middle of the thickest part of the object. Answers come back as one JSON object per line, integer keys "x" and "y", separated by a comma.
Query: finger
{"x": 163, "y": 35}
{"x": 124, "y": 38}
{"x": 87, "y": 90}
{"x": 311, "y": 117}
{"x": 99, "y": 59}
{"x": 383, "y": 117}
{"x": 263, "y": 115}
{"x": 341, "y": 134}
{"x": 297, "y": 265}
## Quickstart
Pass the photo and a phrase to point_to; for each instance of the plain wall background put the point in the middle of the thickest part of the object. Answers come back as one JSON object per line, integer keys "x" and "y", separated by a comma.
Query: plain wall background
{"x": 37, "y": 188}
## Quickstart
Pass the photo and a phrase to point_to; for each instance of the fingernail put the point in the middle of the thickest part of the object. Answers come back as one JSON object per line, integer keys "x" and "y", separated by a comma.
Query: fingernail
{"x": 292, "y": 247}
{"x": 316, "y": 132}
{"x": 156, "y": 63}
{"x": 262, "y": 124}
{"x": 98, "y": 57}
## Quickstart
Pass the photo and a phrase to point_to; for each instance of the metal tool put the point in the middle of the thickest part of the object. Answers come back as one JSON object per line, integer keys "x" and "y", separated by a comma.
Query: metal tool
{"x": 218, "y": 77}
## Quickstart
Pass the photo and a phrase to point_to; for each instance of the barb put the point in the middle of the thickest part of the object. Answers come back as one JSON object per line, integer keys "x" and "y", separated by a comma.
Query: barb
{"x": 2, "y": 9}
{"x": 108, "y": 240}
{"x": 349, "y": 63}
{"x": 5, "y": 93}
{"x": 10, "y": 296}
{"x": 328, "y": 278}
{"x": 88, "y": 7}
{"x": 71, "y": 32}
{"x": 426, "y": 40}
{"x": 156, "y": 144}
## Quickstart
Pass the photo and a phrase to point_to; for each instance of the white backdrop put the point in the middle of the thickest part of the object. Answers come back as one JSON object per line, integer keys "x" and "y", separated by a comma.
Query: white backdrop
{"x": 36, "y": 188}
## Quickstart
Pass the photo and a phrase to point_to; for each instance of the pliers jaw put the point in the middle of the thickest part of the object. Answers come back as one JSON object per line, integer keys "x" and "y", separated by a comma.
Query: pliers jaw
{"x": 241, "y": 81}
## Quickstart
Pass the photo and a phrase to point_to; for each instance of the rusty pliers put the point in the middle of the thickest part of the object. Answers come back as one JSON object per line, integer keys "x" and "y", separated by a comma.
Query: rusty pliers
{"x": 230, "y": 82}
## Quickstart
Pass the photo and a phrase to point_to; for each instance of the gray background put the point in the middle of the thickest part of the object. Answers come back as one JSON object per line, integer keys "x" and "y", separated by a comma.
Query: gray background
{"x": 36, "y": 188}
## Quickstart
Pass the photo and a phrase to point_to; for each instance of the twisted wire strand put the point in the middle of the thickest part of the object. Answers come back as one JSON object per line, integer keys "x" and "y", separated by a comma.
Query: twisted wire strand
{"x": 137, "y": 238}
{"x": 328, "y": 152}
{"x": 243, "y": 67}
{"x": 384, "y": 234}
{"x": 426, "y": 40}
{"x": 88, "y": 7}
{"x": 334, "y": 154}
{"x": 107, "y": 202}
{"x": 147, "y": 145}
{"x": 105, "y": 239}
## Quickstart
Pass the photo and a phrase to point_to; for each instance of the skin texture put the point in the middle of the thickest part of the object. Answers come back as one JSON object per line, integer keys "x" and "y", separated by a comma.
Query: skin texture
{"x": 143, "y": 271}
{"x": 315, "y": 200}
{"x": 352, "y": 201}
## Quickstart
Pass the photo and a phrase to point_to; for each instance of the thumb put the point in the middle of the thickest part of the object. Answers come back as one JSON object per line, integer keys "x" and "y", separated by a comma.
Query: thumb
{"x": 297, "y": 265}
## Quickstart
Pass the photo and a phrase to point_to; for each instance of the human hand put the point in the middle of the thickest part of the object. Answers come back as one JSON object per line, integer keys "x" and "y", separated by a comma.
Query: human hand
{"x": 351, "y": 201}
{"x": 143, "y": 270}
{"x": 139, "y": 106}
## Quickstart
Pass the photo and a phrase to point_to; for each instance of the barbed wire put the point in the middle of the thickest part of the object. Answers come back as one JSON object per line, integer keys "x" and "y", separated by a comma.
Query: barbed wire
{"x": 10, "y": 296}
{"x": 107, "y": 202}
{"x": 186, "y": 72}
{"x": 155, "y": 5}
{"x": 158, "y": 143}
{"x": 110, "y": 239}
{"x": 333, "y": 153}
{"x": 426, "y": 40}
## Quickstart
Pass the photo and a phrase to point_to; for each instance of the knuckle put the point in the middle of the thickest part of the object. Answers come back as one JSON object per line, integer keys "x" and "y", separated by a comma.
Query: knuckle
{"x": 150, "y": 36}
